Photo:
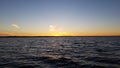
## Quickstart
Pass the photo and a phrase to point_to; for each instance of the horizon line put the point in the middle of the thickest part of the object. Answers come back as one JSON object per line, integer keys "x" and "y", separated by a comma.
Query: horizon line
{"x": 60, "y": 36}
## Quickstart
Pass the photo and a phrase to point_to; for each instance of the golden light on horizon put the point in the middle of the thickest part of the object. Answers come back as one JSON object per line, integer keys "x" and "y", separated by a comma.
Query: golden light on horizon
{"x": 56, "y": 31}
{"x": 56, "y": 35}
{"x": 59, "y": 34}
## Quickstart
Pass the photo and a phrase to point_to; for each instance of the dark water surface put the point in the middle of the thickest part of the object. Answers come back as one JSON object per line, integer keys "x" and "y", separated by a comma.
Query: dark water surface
{"x": 60, "y": 52}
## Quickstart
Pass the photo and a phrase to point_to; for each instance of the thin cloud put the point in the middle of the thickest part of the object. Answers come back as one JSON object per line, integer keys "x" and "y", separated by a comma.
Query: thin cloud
{"x": 15, "y": 26}
{"x": 52, "y": 28}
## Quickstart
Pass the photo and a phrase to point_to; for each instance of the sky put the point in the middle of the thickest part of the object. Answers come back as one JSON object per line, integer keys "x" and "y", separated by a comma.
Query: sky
{"x": 59, "y": 17}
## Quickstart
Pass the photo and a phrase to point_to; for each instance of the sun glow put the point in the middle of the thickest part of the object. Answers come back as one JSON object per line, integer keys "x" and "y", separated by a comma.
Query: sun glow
{"x": 56, "y": 31}
{"x": 56, "y": 35}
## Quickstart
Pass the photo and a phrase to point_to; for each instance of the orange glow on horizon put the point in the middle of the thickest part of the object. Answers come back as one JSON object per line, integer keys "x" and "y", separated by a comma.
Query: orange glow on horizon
{"x": 59, "y": 34}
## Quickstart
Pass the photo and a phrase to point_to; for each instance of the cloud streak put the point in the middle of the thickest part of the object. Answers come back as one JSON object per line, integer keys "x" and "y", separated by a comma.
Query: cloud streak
{"x": 52, "y": 28}
{"x": 15, "y": 26}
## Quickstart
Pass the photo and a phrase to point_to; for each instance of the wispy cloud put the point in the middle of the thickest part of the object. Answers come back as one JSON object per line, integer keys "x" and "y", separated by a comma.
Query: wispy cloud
{"x": 52, "y": 28}
{"x": 15, "y": 26}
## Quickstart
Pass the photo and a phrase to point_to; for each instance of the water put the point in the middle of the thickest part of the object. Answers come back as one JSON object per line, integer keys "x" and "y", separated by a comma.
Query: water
{"x": 60, "y": 52}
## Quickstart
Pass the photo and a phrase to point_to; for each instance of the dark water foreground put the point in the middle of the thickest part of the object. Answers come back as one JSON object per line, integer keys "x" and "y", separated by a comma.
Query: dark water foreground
{"x": 60, "y": 52}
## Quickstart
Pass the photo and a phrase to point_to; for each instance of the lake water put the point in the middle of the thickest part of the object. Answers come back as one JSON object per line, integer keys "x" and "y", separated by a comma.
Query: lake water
{"x": 60, "y": 52}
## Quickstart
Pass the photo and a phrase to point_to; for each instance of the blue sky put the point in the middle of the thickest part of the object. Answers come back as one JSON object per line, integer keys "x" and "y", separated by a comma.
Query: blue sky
{"x": 63, "y": 17}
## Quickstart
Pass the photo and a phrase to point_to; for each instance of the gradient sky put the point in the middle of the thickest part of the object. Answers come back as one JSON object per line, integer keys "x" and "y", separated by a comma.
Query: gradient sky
{"x": 59, "y": 17}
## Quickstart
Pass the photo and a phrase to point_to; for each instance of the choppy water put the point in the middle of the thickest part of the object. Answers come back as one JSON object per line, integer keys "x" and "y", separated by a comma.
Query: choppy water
{"x": 60, "y": 52}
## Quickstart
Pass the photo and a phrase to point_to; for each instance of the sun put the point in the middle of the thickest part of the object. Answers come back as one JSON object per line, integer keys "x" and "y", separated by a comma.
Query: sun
{"x": 57, "y": 35}
{"x": 60, "y": 34}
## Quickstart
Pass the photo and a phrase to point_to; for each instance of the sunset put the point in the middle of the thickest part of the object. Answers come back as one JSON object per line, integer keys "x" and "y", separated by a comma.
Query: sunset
{"x": 59, "y": 18}
{"x": 59, "y": 33}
